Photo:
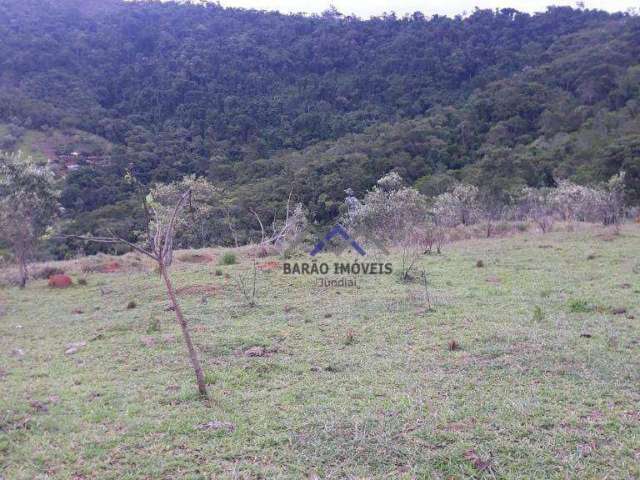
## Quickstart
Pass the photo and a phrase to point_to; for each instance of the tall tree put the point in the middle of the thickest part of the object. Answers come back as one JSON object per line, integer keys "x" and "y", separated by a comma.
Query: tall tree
{"x": 28, "y": 204}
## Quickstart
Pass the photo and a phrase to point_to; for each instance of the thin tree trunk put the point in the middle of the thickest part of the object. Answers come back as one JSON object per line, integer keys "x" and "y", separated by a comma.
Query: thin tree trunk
{"x": 24, "y": 273}
{"x": 193, "y": 355}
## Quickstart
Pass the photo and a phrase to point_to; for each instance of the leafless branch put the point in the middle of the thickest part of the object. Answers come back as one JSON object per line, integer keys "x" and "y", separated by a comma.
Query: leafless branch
{"x": 260, "y": 222}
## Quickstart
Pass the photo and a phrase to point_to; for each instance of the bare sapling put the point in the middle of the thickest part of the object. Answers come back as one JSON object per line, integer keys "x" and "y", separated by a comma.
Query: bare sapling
{"x": 537, "y": 205}
{"x": 247, "y": 285}
{"x": 424, "y": 280}
{"x": 161, "y": 223}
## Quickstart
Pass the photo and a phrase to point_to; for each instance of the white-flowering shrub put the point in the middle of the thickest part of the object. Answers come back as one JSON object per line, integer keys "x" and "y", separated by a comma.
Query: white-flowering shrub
{"x": 572, "y": 202}
{"x": 394, "y": 215}
{"x": 579, "y": 203}
{"x": 390, "y": 211}
{"x": 537, "y": 205}
{"x": 612, "y": 206}
{"x": 459, "y": 206}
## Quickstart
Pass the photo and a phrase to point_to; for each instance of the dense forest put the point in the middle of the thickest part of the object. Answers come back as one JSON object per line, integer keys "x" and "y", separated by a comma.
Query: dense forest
{"x": 264, "y": 104}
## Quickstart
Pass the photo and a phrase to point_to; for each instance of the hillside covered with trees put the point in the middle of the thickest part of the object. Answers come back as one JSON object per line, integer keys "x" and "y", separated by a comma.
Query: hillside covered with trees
{"x": 264, "y": 104}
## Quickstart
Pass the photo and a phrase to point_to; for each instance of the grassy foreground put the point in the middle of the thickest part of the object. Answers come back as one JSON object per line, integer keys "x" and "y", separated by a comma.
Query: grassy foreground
{"x": 345, "y": 383}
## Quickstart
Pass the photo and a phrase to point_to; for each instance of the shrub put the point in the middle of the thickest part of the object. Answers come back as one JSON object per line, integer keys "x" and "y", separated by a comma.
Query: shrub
{"x": 82, "y": 281}
{"x": 458, "y": 206}
{"x": 291, "y": 231}
{"x": 580, "y": 306}
{"x": 538, "y": 314}
{"x": 211, "y": 378}
{"x": 194, "y": 258}
{"x": 392, "y": 215}
{"x": 350, "y": 338}
{"x": 46, "y": 272}
{"x": 131, "y": 305}
{"x": 154, "y": 325}
{"x": 228, "y": 258}
{"x": 390, "y": 212}
{"x": 538, "y": 205}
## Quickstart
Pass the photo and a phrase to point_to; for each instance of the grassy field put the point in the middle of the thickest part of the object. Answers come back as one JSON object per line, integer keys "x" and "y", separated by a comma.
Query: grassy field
{"x": 543, "y": 380}
{"x": 41, "y": 146}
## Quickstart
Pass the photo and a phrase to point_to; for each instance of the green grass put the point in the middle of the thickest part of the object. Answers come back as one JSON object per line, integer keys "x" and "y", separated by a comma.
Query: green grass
{"x": 228, "y": 258}
{"x": 355, "y": 383}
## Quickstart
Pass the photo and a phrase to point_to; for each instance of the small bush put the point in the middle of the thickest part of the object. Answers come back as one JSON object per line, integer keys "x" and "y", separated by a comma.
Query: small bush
{"x": 228, "y": 258}
{"x": 580, "y": 306}
{"x": 262, "y": 251}
{"x": 131, "y": 305}
{"x": 89, "y": 268}
{"x": 479, "y": 264}
{"x": 405, "y": 276}
{"x": 195, "y": 258}
{"x": 350, "y": 338}
{"x": 46, "y": 272}
{"x": 82, "y": 281}
{"x": 154, "y": 325}
{"x": 218, "y": 272}
{"x": 538, "y": 314}
{"x": 211, "y": 378}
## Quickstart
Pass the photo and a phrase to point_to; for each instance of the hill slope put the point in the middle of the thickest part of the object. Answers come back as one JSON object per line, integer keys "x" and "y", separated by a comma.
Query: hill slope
{"x": 343, "y": 383}
{"x": 266, "y": 103}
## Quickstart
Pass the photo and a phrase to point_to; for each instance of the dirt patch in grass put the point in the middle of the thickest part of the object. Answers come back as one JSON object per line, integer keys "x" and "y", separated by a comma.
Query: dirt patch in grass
{"x": 195, "y": 258}
{"x": 217, "y": 425}
{"x": 608, "y": 236}
{"x": 461, "y": 426}
{"x": 199, "y": 290}
{"x": 99, "y": 264}
{"x": 105, "y": 267}
{"x": 257, "y": 351}
{"x": 110, "y": 267}
{"x": 268, "y": 265}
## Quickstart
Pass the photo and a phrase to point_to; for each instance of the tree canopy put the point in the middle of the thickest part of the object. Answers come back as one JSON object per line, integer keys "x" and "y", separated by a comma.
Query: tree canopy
{"x": 263, "y": 104}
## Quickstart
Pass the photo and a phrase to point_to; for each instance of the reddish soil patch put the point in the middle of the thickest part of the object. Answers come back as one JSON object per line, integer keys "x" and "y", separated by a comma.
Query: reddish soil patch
{"x": 608, "y": 236}
{"x": 196, "y": 258}
{"x": 461, "y": 426}
{"x": 199, "y": 290}
{"x": 60, "y": 281}
{"x": 268, "y": 265}
{"x": 109, "y": 267}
